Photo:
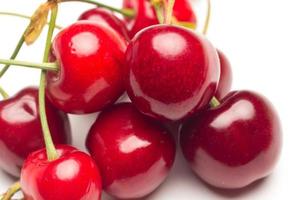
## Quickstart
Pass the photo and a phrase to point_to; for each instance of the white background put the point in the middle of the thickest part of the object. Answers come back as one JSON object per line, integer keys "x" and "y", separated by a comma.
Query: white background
{"x": 261, "y": 39}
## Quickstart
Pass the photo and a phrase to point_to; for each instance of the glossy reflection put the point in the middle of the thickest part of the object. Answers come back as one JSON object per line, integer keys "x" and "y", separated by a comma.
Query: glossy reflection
{"x": 20, "y": 129}
{"x": 234, "y": 144}
{"x": 146, "y": 16}
{"x": 134, "y": 153}
{"x": 171, "y": 72}
{"x": 90, "y": 58}
{"x": 106, "y": 17}
{"x": 73, "y": 175}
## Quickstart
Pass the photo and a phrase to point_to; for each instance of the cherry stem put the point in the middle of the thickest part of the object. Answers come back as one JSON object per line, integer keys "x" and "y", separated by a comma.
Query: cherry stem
{"x": 126, "y": 12}
{"x": 3, "y": 93}
{"x": 13, "y": 14}
{"x": 12, "y": 190}
{"x": 207, "y": 19}
{"x": 158, "y": 8}
{"x": 169, "y": 11}
{"x": 214, "y": 102}
{"x": 45, "y": 66}
{"x": 50, "y": 148}
{"x": 20, "y": 42}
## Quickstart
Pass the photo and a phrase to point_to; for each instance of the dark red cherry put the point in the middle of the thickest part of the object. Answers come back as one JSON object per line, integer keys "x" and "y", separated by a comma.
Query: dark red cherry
{"x": 106, "y": 17}
{"x": 234, "y": 144}
{"x": 134, "y": 153}
{"x": 171, "y": 72}
{"x": 90, "y": 77}
{"x": 146, "y": 16}
{"x": 225, "y": 81}
{"x": 21, "y": 132}
{"x": 73, "y": 175}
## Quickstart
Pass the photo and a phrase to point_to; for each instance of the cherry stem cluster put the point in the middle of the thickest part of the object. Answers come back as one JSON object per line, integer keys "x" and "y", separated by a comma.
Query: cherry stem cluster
{"x": 169, "y": 11}
{"x": 3, "y": 93}
{"x": 50, "y": 148}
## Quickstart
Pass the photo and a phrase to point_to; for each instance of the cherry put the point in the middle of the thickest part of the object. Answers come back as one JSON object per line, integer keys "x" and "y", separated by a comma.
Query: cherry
{"x": 171, "y": 72}
{"x": 225, "y": 81}
{"x": 73, "y": 175}
{"x": 146, "y": 16}
{"x": 235, "y": 143}
{"x": 91, "y": 58}
{"x": 21, "y": 131}
{"x": 106, "y": 17}
{"x": 134, "y": 153}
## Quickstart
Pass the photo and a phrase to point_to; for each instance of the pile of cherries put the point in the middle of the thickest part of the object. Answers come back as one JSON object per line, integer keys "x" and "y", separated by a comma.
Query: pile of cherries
{"x": 176, "y": 80}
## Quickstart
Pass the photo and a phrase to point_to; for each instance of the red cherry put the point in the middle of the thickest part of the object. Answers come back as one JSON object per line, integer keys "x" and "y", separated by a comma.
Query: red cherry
{"x": 74, "y": 175}
{"x": 134, "y": 153}
{"x": 21, "y": 131}
{"x": 90, "y": 75}
{"x": 234, "y": 144}
{"x": 171, "y": 72}
{"x": 146, "y": 16}
{"x": 106, "y": 17}
{"x": 225, "y": 81}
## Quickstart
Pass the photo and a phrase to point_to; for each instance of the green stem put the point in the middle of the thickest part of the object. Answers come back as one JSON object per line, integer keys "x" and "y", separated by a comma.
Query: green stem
{"x": 14, "y": 55}
{"x": 158, "y": 8}
{"x": 169, "y": 11}
{"x": 207, "y": 20}
{"x": 23, "y": 16}
{"x": 44, "y": 66}
{"x": 50, "y": 148}
{"x": 125, "y": 12}
{"x": 3, "y": 93}
{"x": 214, "y": 102}
{"x": 12, "y": 190}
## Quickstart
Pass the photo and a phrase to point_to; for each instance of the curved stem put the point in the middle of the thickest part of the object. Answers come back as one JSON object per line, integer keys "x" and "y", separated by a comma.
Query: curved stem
{"x": 207, "y": 19}
{"x": 214, "y": 102}
{"x": 3, "y": 93}
{"x": 12, "y": 190}
{"x": 169, "y": 11}
{"x": 24, "y": 17}
{"x": 14, "y": 55}
{"x": 44, "y": 66}
{"x": 50, "y": 148}
{"x": 125, "y": 12}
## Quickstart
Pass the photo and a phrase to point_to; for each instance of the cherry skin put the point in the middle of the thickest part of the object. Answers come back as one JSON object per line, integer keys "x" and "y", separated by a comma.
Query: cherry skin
{"x": 170, "y": 72}
{"x": 225, "y": 81}
{"x": 90, "y": 77}
{"x": 146, "y": 15}
{"x": 234, "y": 144}
{"x": 21, "y": 131}
{"x": 106, "y": 17}
{"x": 73, "y": 175}
{"x": 134, "y": 153}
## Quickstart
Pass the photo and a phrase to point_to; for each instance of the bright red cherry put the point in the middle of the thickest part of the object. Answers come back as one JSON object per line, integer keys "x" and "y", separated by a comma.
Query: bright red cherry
{"x": 225, "y": 81}
{"x": 21, "y": 131}
{"x": 146, "y": 16}
{"x": 171, "y": 72}
{"x": 134, "y": 153}
{"x": 234, "y": 144}
{"x": 106, "y": 17}
{"x": 90, "y": 77}
{"x": 73, "y": 175}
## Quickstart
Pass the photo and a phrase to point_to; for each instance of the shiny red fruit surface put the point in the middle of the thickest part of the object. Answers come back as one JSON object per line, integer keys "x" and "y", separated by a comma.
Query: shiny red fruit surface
{"x": 106, "y": 17}
{"x": 146, "y": 16}
{"x": 234, "y": 144}
{"x": 134, "y": 153}
{"x": 225, "y": 81}
{"x": 73, "y": 176}
{"x": 170, "y": 72}
{"x": 90, "y": 58}
{"x": 20, "y": 128}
